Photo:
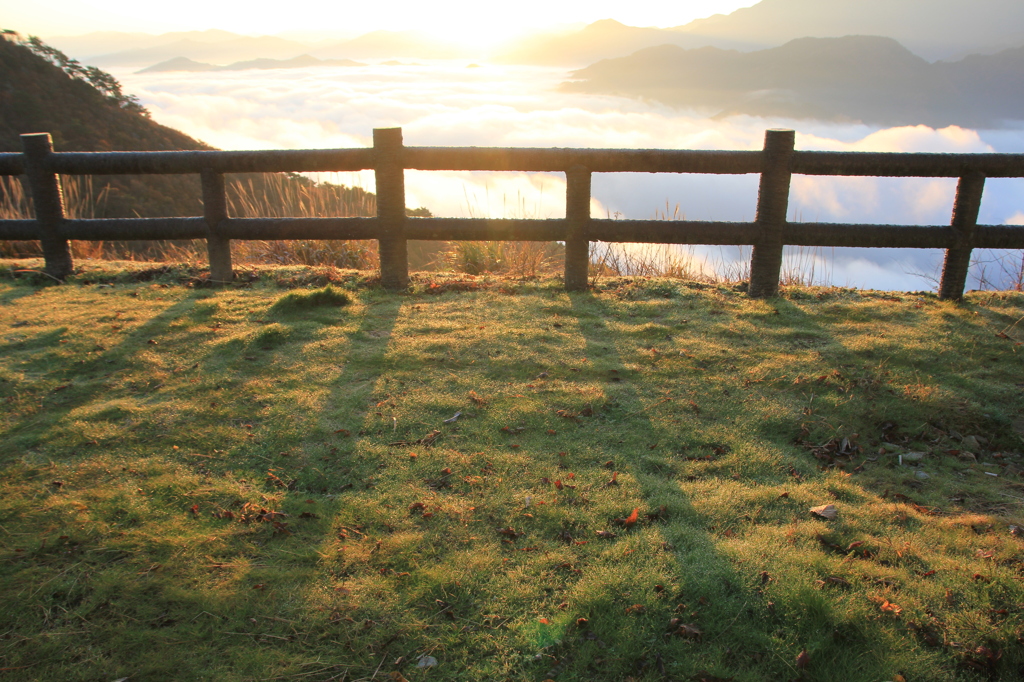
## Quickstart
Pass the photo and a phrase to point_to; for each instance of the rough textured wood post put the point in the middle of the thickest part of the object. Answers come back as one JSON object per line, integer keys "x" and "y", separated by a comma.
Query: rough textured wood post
{"x": 965, "y": 220}
{"x": 772, "y": 204}
{"x": 577, "y": 214}
{"x": 390, "y": 175}
{"x": 48, "y": 202}
{"x": 215, "y": 210}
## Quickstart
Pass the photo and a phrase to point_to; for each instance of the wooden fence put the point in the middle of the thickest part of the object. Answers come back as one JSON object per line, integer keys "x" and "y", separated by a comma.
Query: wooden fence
{"x": 388, "y": 158}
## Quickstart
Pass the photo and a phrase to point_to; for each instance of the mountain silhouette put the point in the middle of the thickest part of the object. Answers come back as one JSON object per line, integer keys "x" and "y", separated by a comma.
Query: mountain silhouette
{"x": 85, "y": 47}
{"x": 854, "y": 78}
{"x": 300, "y": 62}
{"x": 604, "y": 39}
{"x": 934, "y": 29}
{"x": 217, "y": 51}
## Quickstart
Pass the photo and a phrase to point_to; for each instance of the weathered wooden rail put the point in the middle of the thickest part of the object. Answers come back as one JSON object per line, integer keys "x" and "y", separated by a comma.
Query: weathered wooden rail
{"x": 389, "y": 159}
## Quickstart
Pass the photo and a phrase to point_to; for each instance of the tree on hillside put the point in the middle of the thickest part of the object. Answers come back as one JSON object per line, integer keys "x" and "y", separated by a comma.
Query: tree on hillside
{"x": 97, "y": 78}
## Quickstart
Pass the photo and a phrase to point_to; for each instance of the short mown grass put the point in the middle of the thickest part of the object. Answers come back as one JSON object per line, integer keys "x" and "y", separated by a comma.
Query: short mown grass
{"x": 488, "y": 479}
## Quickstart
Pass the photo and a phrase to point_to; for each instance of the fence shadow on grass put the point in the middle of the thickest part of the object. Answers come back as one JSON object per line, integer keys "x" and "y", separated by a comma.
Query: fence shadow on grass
{"x": 710, "y": 584}
{"x": 14, "y": 293}
{"x": 697, "y": 448}
{"x": 85, "y": 381}
{"x": 93, "y": 574}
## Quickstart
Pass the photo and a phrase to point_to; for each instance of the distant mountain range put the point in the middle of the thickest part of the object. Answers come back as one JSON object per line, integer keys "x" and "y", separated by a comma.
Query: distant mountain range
{"x": 223, "y": 51}
{"x": 933, "y": 29}
{"x": 300, "y": 62}
{"x": 86, "y": 47}
{"x": 222, "y": 47}
{"x": 602, "y": 40}
{"x": 854, "y": 78}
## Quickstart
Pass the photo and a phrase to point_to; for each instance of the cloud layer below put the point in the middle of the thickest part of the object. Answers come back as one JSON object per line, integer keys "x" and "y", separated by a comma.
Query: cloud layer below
{"x": 451, "y": 104}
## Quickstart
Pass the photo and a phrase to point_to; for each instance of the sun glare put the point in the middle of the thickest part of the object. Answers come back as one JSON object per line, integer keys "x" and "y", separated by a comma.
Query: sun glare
{"x": 459, "y": 21}
{"x": 476, "y": 32}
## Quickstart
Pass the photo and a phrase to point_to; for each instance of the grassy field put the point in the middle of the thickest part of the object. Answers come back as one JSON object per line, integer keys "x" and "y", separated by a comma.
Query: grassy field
{"x": 489, "y": 479}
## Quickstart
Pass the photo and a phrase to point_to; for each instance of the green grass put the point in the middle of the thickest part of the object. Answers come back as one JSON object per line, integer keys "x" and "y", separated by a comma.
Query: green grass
{"x": 215, "y": 484}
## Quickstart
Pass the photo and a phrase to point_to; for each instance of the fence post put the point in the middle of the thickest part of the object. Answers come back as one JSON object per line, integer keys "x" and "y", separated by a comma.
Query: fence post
{"x": 772, "y": 204}
{"x": 48, "y": 201}
{"x": 965, "y": 220}
{"x": 577, "y": 215}
{"x": 389, "y": 171}
{"x": 215, "y": 210}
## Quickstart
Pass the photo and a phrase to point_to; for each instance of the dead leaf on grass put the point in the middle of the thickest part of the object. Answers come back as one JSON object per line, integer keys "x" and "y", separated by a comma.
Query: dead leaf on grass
{"x": 685, "y": 630}
{"x": 510, "y": 533}
{"x": 825, "y": 511}
{"x": 984, "y": 660}
{"x": 835, "y": 581}
{"x": 887, "y": 606}
{"x": 630, "y": 520}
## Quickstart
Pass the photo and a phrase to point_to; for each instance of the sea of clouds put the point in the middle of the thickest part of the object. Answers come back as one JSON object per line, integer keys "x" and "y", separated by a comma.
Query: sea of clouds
{"x": 455, "y": 104}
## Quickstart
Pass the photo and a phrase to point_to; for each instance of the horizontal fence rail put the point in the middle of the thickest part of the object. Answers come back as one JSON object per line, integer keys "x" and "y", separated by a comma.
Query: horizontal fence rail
{"x": 389, "y": 159}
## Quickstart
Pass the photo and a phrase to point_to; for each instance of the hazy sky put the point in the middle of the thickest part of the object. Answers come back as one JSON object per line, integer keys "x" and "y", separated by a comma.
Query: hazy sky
{"x": 447, "y": 17}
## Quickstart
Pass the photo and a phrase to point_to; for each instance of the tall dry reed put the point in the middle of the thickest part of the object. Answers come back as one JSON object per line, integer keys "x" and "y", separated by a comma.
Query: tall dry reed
{"x": 276, "y": 195}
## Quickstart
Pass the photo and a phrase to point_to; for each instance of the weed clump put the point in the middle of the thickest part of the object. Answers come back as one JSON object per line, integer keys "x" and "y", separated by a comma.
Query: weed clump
{"x": 271, "y": 336}
{"x": 297, "y": 301}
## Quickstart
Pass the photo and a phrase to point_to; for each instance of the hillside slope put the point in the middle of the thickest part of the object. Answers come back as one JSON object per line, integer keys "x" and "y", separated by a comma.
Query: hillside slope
{"x": 36, "y": 96}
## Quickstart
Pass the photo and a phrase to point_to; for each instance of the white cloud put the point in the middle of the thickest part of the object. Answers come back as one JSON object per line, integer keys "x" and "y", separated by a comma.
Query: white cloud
{"x": 900, "y": 139}
{"x": 446, "y": 104}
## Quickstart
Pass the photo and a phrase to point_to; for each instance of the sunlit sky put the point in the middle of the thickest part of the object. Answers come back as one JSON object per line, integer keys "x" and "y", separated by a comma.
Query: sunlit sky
{"x": 446, "y": 18}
